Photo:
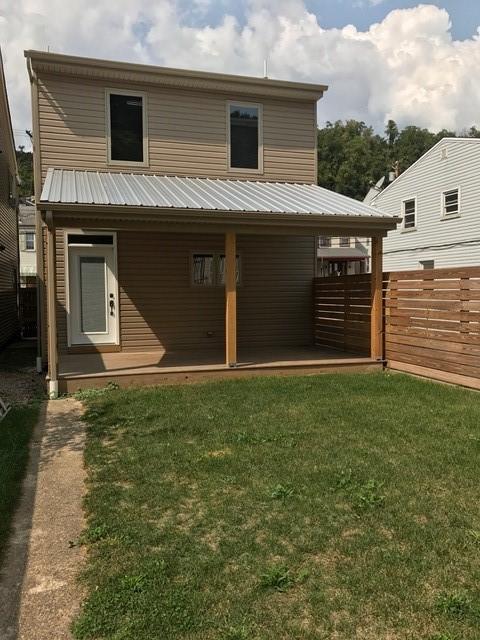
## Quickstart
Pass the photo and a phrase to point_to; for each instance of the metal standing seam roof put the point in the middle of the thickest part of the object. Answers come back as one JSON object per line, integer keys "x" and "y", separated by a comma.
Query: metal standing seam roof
{"x": 205, "y": 194}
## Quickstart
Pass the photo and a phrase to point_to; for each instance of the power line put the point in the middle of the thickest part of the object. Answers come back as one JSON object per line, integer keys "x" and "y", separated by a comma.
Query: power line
{"x": 450, "y": 245}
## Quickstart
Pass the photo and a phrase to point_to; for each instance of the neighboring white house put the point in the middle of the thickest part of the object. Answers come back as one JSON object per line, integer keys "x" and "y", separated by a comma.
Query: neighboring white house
{"x": 438, "y": 198}
{"x": 342, "y": 256}
{"x": 28, "y": 254}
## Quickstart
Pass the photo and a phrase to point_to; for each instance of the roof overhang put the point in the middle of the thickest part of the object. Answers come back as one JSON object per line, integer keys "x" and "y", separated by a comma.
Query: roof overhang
{"x": 93, "y": 68}
{"x": 171, "y": 200}
{"x": 110, "y": 216}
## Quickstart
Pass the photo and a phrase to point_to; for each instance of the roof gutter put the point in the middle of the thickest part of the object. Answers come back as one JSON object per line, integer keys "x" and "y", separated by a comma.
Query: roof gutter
{"x": 170, "y": 215}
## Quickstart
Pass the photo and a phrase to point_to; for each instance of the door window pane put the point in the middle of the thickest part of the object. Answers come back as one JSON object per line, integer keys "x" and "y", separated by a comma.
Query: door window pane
{"x": 93, "y": 317}
{"x": 243, "y": 137}
{"x": 126, "y": 128}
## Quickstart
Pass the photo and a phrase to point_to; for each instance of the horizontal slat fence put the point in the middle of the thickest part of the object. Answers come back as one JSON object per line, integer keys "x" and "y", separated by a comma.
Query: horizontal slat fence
{"x": 431, "y": 319}
{"x": 342, "y": 312}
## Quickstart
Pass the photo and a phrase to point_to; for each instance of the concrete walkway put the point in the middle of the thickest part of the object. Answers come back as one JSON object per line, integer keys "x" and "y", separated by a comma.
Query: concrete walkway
{"x": 39, "y": 595}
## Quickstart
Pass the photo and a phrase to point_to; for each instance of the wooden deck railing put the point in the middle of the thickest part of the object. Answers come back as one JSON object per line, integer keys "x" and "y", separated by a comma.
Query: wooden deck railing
{"x": 431, "y": 318}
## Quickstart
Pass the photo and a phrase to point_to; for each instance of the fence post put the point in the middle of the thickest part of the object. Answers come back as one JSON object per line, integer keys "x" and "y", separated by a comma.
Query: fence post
{"x": 376, "y": 316}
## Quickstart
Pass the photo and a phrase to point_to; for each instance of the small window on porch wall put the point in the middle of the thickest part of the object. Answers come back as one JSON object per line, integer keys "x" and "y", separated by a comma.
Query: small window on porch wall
{"x": 244, "y": 136}
{"x": 203, "y": 269}
{"x": 221, "y": 269}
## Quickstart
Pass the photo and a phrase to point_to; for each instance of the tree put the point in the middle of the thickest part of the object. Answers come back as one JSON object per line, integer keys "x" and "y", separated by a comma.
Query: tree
{"x": 25, "y": 170}
{"x": 350, "y": 157}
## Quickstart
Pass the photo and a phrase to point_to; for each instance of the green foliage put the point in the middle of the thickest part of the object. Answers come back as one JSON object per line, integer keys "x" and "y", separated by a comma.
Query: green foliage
{"x": 280, "y": 491}
{"x": 454, "y": 605}
{"x": 25, "y": 170}
{"x": 15, "y": 433}
{"x": 277, "y": 577}
{"x": 351, "y": 157}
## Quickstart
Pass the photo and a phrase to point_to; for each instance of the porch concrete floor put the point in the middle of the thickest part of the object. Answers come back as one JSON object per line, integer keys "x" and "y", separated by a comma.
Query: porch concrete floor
{"x": 89, "y": 365}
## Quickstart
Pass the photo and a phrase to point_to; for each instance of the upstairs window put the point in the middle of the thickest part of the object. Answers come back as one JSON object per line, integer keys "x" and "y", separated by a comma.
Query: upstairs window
{"x": 344, "y": 242}
{"x": 410, "y": 214}
{"x": 450, "y": 203}
{"x": 325, "y": 241}
{"x": 244, "y": 121}
{"x": 126, "y": 127}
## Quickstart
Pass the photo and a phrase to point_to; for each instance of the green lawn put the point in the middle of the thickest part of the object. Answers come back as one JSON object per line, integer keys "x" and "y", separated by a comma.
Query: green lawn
{"x": 340, "y": 507}
{"x": 15, "y": 432}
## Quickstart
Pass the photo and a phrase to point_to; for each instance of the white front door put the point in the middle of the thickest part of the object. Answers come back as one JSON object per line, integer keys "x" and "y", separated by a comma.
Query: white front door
{"x": 92, "y": 295}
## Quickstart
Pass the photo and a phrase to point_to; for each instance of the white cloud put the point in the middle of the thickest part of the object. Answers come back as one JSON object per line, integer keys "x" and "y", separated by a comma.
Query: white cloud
{"x": 406, "y": 67}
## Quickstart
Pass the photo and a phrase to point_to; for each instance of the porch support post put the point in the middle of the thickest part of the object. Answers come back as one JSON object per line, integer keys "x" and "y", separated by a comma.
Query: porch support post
{"x": 231, "y": 299}
{"x": 376, "y": 319}
{"x": 51, "y": 310}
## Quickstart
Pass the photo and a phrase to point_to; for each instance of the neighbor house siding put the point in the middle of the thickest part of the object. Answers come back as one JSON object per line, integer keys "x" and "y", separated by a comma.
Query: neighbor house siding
{"x": 161, "y": 310}
{"x": 8, "y": 260}
{"x": 187, "y": 131}
{"x": 446, "y": 241}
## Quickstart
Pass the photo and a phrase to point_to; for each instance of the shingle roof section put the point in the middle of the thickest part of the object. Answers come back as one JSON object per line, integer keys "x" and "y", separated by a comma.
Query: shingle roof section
{"x": 171, "y": 192}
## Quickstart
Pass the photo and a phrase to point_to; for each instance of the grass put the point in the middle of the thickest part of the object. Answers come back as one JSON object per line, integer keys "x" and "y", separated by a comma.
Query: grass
{"x": 15, "y": 433}
{"x": 283, "y": 508}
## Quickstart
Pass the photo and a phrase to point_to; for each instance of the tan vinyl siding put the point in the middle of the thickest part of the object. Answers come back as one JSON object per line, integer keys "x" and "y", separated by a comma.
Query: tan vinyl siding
{"x": 161, "y": 310}
{"x": 187, "y": 131}
{"x": 8, "y": 260}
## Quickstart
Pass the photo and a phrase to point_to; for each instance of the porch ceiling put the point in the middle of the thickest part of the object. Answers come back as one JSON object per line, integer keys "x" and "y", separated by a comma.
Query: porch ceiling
{"x": 272, "y": 202}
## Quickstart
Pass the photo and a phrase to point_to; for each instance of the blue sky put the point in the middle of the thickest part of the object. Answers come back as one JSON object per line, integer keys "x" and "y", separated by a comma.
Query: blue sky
{"x": 465, "y": 14}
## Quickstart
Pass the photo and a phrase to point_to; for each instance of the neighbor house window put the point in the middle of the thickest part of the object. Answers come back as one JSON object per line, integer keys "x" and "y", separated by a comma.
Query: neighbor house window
{"x": 325, "y": 241}
{"x": 450, "y": 202}
{"x": 208, "y": 269}
{"x": 427, "y": 264}
{"x": 344, "y": 242}
{"x": 29, "y": 241}
{"x": 126, "y": 127}
{"x": 244, "y": 121}
{"x": 410, "y": 214}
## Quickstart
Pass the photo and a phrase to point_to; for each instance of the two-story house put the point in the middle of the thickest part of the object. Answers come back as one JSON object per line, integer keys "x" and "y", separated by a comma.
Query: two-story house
{"x": 9, "y": 321}
{"x": 180, "y": 217}
{"x": 438, "y": 200}
{"x": 27, "y": 244}
{"x": 342, "y": 256}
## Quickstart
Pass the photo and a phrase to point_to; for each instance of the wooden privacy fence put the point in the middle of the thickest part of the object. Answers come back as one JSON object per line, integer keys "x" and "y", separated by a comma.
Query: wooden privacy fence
{"x": 342, "y": 312}
{"x": 431, "y": 320}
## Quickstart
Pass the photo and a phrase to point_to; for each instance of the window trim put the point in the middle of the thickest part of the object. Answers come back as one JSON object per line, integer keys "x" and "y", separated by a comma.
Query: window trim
{"x": 216, "y": 271}
{"x": 32, "y": 233}
{"x": 450, "y": 216}
{"x": 259, "y": 106}
{"x": 414, "y": 228}
{"x": 126, "y": 92}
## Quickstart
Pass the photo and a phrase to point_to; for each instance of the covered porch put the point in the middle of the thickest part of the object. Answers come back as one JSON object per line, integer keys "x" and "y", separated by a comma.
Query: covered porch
{"x": 252, "y": 334}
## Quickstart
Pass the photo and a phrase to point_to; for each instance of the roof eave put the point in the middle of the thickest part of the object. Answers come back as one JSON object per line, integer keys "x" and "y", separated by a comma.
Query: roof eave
{"x": 134, "y": 72}
{"x": 170, "y": 214}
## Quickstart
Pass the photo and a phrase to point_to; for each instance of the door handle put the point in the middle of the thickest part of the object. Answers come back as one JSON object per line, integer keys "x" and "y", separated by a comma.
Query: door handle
{"x": 112, "y": 304}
